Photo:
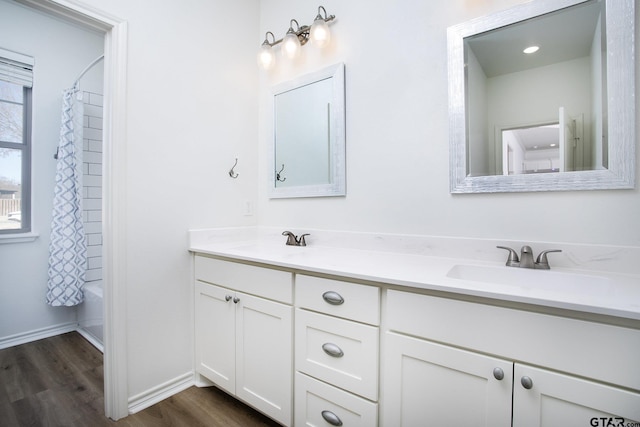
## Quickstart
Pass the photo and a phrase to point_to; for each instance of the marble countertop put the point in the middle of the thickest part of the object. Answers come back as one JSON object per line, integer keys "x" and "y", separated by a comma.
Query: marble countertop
{"x": 406, "y": 263}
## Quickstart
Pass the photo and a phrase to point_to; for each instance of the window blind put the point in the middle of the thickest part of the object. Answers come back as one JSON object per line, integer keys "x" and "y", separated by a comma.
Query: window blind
{"x": 16, "y": 68}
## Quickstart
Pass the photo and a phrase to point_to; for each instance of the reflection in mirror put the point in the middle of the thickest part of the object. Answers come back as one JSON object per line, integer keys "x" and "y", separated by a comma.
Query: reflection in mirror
{"x": 533, "y": 149}
{"x": 519, "y": 89}
{"x": 308, "y": 143}
{"x": 303, "y": 135}
{"x": 550, "y": 119}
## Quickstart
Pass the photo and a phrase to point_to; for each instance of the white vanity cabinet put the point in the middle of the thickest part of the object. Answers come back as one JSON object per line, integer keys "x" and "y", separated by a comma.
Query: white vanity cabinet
{"x": 336, "y": 352}
{"x": 434, "y": 385}
{"x": 243, "y": 333}
{"x": 450, "y": 362}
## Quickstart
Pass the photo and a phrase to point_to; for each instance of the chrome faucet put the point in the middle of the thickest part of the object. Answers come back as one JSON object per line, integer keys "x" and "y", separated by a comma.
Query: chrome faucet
{"x": 526, "y": 258}
{"x": 292, "y": 240}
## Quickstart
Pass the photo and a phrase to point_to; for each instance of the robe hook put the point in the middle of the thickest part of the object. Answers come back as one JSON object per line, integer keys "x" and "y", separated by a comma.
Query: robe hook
{"x": 278, "y": 177}
{"x": 233, "y": 174}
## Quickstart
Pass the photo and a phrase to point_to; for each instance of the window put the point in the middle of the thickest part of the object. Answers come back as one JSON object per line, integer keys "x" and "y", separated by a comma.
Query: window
{"x": 16, "y": 72}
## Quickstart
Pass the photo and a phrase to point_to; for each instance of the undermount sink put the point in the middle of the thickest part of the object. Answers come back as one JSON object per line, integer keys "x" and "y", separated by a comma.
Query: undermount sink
{"x": 542, "y": 280}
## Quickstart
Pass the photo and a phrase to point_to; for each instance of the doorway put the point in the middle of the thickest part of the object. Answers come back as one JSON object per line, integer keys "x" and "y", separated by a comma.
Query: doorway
{"x": 113, "y": 230}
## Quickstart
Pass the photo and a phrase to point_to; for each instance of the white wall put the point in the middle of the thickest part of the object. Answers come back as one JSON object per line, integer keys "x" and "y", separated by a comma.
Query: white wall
{"x": 528, "y": 98}
{"x": 395, "y": 58}
{"x": 481, "y": 153}
{"x": 61, "y": 52}
{"x": 191, "y": 110}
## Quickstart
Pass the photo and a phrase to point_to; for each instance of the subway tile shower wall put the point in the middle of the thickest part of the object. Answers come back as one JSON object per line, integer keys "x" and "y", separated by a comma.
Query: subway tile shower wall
{"x": 92, "y": 183}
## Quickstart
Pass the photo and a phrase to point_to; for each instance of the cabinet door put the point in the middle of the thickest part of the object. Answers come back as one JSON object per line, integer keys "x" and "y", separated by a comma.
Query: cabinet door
{"x": 264, "y": 355}
{"x": 555, "y": 399}
{"x": 428, "y": 384}
{"x": 215, "y": 335}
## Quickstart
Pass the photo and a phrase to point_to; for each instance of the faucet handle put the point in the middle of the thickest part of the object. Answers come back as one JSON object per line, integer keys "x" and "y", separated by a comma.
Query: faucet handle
{"x": 513, "y": 260}
{"x": 291, "y": 238}
{"x": 301, "y": 241}
{"x": 542, "y": 262}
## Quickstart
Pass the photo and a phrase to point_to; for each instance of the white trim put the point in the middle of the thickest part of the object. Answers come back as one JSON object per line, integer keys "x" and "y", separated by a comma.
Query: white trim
{"x": 37, "y": 334}
{"x": 114, "y": 168}
{"x": 18, "y": 238}
{"x": 156, "y": 394}
{"x": 114, "y": 227}
{"x": 89, "y": 337}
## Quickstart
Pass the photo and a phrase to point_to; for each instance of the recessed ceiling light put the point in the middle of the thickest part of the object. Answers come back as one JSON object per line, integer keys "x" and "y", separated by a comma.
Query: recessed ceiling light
{"x": 531, "y": 49}
{"x": 552, "y": 145}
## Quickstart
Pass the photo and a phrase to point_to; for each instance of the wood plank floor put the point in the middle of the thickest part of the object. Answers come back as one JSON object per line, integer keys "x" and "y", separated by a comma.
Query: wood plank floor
{"x": 59, "y": 381}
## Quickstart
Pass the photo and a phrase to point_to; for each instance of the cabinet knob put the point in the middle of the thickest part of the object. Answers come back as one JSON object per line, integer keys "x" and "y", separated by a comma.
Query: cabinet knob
{"x": 236, "y": 300}
{"x": 227, "y": 298}
{"x": 526, "y": 382}
{"x": 332, "y": 350}
{"x": 331, "y": 418}
{"x": 498, "y": 373}
{"x": 333, "y": 298}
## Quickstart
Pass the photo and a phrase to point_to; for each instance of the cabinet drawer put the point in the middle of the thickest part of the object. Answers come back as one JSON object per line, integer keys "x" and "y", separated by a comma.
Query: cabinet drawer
{"x": 337, "y": 298}
{"x": 317, "y": 403}
{"x": 338, "y": 351}
{"x": 260, "y": 281}
{"x": 595, "y": 350}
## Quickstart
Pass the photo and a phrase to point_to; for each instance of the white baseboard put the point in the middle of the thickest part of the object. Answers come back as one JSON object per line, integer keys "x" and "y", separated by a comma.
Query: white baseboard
{"x": 201, "y": 381}
{"x": 93, "y": 340}
{"x": 156, "y": 394}
{"x": 37, "y": 334}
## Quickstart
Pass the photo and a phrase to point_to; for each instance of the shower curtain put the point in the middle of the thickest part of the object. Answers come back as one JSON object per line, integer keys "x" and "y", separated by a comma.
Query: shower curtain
{"x": 68, "y": 247}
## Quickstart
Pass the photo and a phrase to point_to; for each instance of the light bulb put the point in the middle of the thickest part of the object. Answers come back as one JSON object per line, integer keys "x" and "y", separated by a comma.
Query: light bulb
{"x": 319, "y": 33}
{"x": 291, "y": 45}
{"x": 266, "y": 57}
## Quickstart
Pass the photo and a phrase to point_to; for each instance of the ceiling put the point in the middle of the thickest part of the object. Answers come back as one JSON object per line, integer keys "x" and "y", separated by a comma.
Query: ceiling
{"x": 538, "y": 137}
{"x": 562, "y": 35}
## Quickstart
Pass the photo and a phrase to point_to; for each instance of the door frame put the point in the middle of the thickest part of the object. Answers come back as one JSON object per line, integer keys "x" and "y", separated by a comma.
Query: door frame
{"x": 113, "y": 196}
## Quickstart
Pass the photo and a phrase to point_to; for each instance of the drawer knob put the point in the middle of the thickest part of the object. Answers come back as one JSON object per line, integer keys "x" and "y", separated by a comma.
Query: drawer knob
{"x": 498, "y": 373}
{"x": 332, "y": 350}
{"x": 333, "y": 298}
{"x": 236, "y": 300}
{"x": 227, "y": 298}
{"x": 331, "y": 418}
{"x": 526, "y": 382}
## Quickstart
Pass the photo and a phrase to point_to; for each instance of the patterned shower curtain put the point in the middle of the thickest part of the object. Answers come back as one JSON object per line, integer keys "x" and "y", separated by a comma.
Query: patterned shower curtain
{"x": 68, "y": 247}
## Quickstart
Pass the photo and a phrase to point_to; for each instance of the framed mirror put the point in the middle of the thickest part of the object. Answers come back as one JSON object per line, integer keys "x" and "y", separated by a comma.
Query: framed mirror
{"x": 308, "y": 152}
{"x": 561, "y": 118}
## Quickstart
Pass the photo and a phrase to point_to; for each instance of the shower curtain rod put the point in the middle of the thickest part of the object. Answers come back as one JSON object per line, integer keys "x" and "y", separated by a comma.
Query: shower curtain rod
{"x": 95, "y": 61}
{"x": 76, "y": 87}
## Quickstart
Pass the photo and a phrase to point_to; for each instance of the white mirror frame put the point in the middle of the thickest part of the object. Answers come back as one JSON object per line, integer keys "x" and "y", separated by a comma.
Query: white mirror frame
{"x": 337, "y": 137}
{"x": 620, "y": 17}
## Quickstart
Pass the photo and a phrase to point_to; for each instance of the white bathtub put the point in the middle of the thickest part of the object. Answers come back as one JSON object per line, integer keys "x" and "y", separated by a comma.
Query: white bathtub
{"x": 90, "y": 318}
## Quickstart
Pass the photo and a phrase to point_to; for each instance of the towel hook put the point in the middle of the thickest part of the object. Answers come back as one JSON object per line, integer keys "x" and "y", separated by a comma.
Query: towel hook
{"x": 279, "y": 177}
{"x": 233, "y": 174}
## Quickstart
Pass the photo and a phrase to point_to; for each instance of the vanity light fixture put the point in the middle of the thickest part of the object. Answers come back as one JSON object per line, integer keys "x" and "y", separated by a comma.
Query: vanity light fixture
{"x": 294, "y": 39}
{"x": 531, "y": 49}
